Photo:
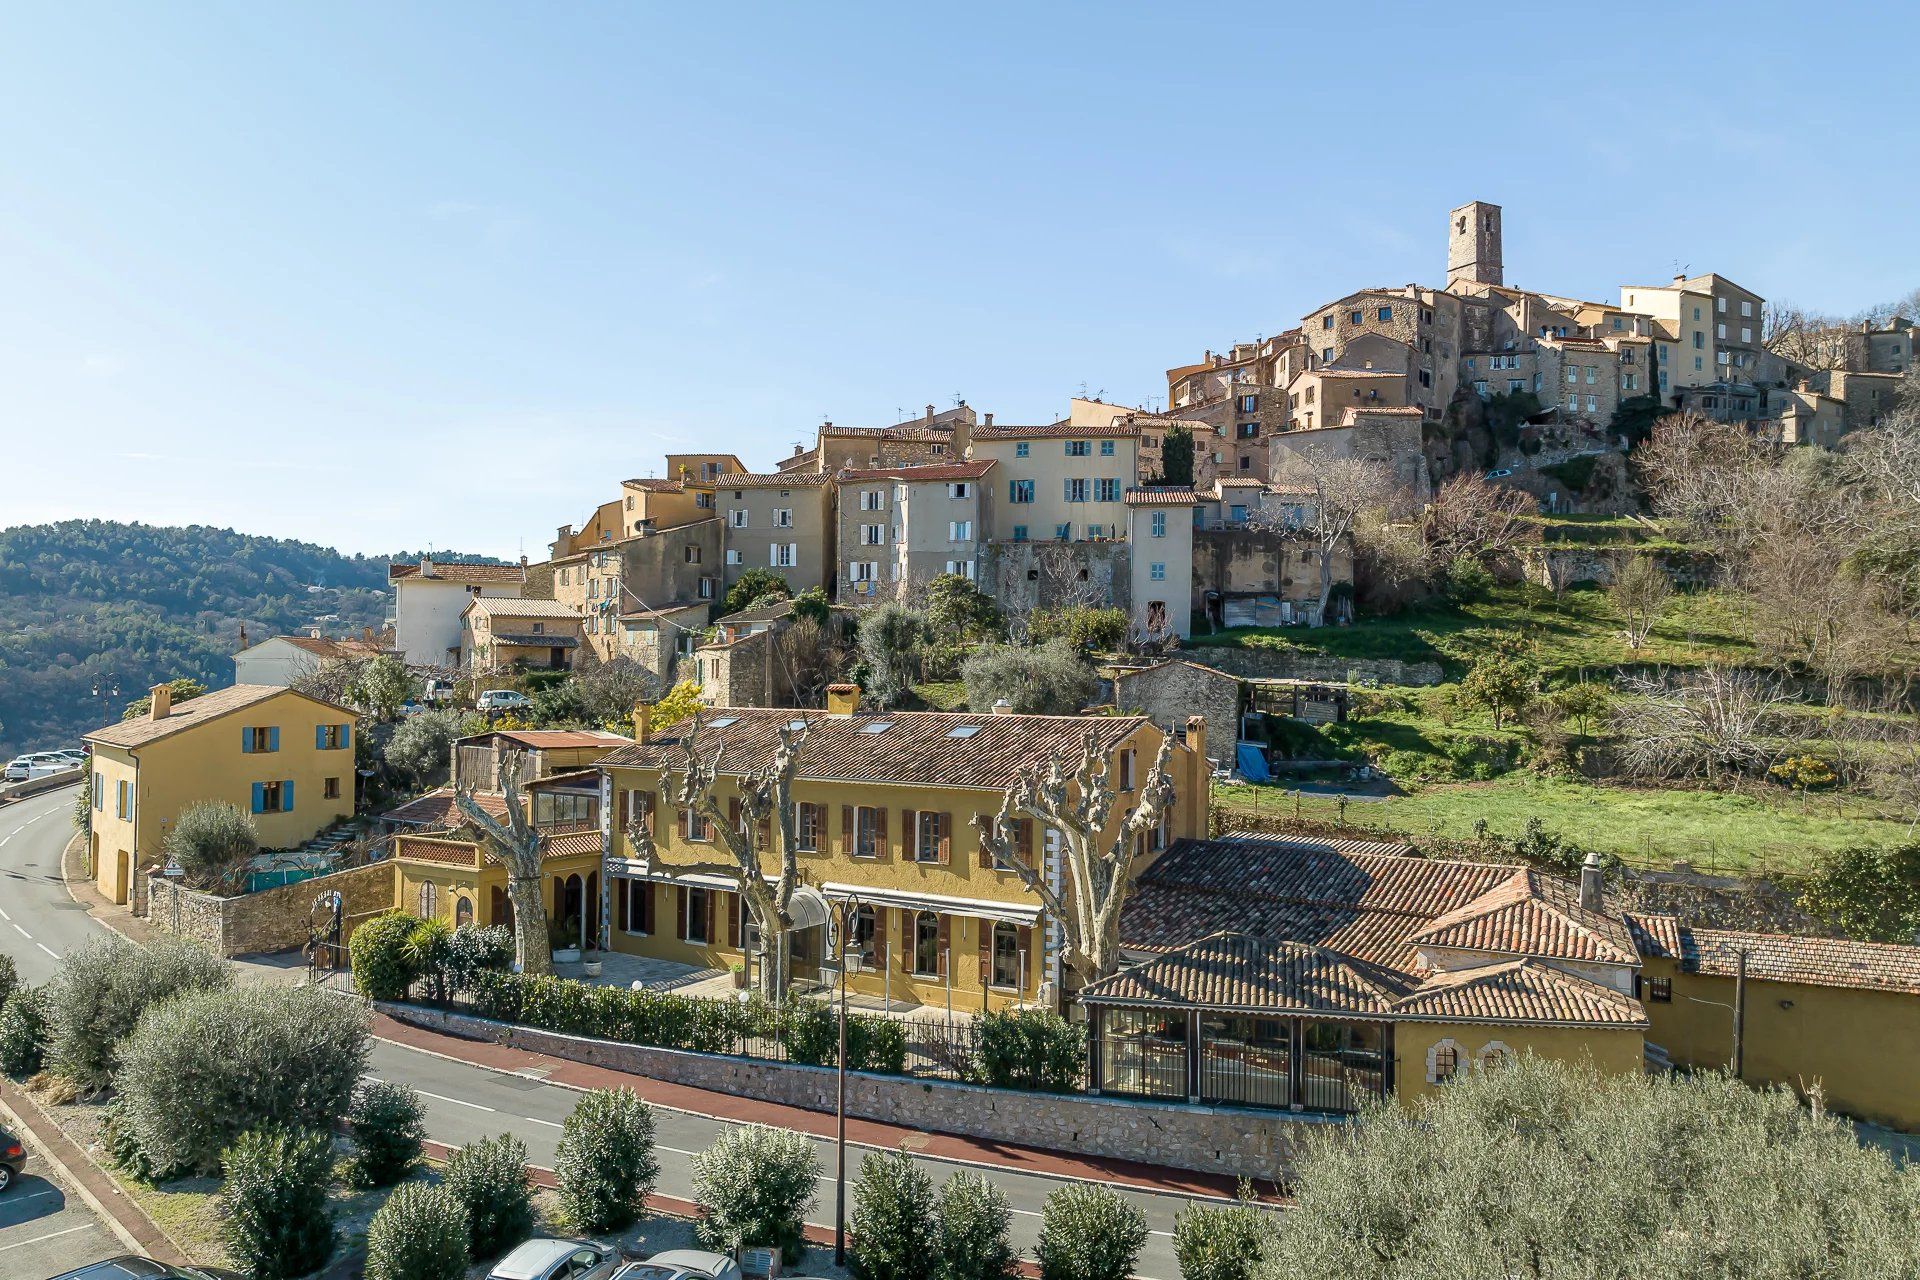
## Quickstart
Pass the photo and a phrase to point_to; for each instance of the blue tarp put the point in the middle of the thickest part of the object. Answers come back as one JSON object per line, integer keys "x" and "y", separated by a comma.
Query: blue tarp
{"x": 1252, "y": 762}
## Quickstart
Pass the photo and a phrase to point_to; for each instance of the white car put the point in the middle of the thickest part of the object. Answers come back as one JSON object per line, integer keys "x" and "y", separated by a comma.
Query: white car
{"x": 548, "y": 1259}
{"x": 502, "y": 700}
{"x": 682, "y": 1264}
{"x": 36, "y": 765}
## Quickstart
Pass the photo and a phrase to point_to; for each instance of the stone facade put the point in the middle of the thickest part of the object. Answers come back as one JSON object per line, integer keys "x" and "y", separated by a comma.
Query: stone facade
{"x": 640, "y": 576}
{"x": 271, "y": 920}
{"x": 1169, "y": 692}
{"x": 1394, "y": 438}
{"x": 1024, "y": 576}
{"x": 1228, "y": 1140}
{"x": 1281, "y": 664}
{"x": 1240, "y": 563}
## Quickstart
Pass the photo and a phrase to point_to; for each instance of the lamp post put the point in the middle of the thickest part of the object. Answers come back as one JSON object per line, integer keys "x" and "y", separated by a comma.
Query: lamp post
{"x": 844, "y": 912}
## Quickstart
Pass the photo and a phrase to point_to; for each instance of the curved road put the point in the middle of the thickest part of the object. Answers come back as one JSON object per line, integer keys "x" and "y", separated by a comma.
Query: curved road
{"x": 40, "y": 922}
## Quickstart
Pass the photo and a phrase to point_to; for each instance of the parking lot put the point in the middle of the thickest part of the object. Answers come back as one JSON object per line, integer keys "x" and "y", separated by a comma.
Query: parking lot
{"x": 45, "y": 1229}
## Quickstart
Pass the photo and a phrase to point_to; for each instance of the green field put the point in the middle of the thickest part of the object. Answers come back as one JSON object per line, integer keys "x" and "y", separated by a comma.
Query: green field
{"x": 1763, "y": 831}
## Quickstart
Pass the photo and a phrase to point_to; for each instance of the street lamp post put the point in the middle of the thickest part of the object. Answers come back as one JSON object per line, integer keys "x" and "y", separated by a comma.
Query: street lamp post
{"x": 844, "y": 912}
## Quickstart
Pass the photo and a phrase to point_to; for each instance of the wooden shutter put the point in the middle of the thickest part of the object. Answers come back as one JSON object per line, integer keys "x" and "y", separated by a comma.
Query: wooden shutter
{"x": 652, "y": 801}
{"x": 846, "y": 830}
{"x": 730, "y": 933}
{"x": 645, "y": 889}
{"x": 1025, "y": 840}
{"x": 941, "y": 966}
{"x": 880, "y": 847}
{"x": 680, "y": 911}
{"x": 623, "y": 808}
{"x": 686, "y": 824}
{"x": 766, "y": 831}
{"x": 910, "y": 835}
{"x": 986, "y": 853}
{"x": 946, "y": 837}
{"x": 986, "y": 953}
{"x": 733, "y": 813}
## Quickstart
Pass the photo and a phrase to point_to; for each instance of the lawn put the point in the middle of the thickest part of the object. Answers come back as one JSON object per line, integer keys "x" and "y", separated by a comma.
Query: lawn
{"x": 1764, "y": 830}
{"x": 1578, "y": 631}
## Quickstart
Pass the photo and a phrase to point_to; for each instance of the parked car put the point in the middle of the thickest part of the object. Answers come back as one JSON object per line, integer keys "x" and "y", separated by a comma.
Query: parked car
{"x": 502, "y": 700}
{"x": 1499, "y": 473}
{"x": 37, "y": 765}
{"x": 544, "y": 1258}
{"x": 13, "y": 1159}
{"x": 74, "y": 754}
{"x": 133, "y": 1267}
{"x": 682, "y": 1264}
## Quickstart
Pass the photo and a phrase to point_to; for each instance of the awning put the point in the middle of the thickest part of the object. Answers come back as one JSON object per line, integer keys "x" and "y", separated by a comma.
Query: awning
{"x": 1011, "y": 912}
{"x": 629, "y": 869}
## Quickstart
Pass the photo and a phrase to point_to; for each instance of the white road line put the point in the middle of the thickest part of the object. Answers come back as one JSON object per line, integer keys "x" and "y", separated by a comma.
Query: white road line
{"x": 537, "y": 1120}
{"x": 24, "y": 933}
{"x": 51, "y": 1235}
{"x": 462, "y": 1102}
{"x": 49, "y": 950}
{"x": 32, "y": 1195}
{"x": 4, "y": 915}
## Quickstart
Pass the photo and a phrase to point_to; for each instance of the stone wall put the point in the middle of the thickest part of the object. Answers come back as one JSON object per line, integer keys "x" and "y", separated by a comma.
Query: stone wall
{"x": 1024, "y": 576}
{"x": 1171, "y": 691}
{"x": 271, "y": 920}
{"x": 1228, "y": 1140}
{"x": 1289, "y": 664}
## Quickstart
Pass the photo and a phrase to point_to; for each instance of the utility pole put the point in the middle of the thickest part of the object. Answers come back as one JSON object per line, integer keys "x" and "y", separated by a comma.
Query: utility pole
{"x": 1739, "y": 1011}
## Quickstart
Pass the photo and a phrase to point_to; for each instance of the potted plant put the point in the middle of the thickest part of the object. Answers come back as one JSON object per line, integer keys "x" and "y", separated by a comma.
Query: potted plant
{"x": 563, "y": 937}
{"x": 739, "y": 976}
{"x": 591, "y": 966}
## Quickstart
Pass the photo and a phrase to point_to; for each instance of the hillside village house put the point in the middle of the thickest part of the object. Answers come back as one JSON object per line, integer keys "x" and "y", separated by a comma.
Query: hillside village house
{"x": 886, "y": 807}
{"x": 496, "y": 634}
{"x": 277, "y": 754}
{"x": 1058, "y": 483}
{"x": 430, "y": 597}
{"x": 931, "y": 438}
{"x": 781, "y": 521}
{"x": 901, "y": 527}
{"x": 283, "y": 659}
{"x": 641, "y": 596}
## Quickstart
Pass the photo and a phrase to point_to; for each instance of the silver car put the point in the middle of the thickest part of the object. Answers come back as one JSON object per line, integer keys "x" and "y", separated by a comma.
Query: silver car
{"x": 682, "y": 1264}
{"x": 548, "y": 1259}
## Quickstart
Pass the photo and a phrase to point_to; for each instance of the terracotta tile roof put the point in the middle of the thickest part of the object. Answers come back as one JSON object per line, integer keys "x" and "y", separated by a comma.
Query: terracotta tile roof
{"x": 916, "y": 431}
{"x": 765, "y": 613}
{"x": 437, "y": 808}
{"x": 655, "y": 485}
{"x": 1533, "y": 914}
{"x": 536, "y": 640}
{"x": 1160, "y": 918}
{"x": 915, "y": 747}
{"x": 1240, "y": 482}
{"x": 1122, "y": 430}
{"x": 1160, "y": 497}
{"x": 198, "y": 711}
{"x": 352, "y": 647}
{"x": 1519, "y": 991}
{"x": 1244, "y": 974}
{"x": 930, "y": 472}
{"x": 1397, "y": 411}
{"x": 499, "y": 607}
{"x": 1778, "y": 957}
{"x": 460, "y": 571}
{"x": 768, "y": 480}
{"x": 547, "y": 739}
{"x": 798, "y": 460}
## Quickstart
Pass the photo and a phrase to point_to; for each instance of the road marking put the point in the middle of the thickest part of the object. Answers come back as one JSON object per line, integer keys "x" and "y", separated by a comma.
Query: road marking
{"x": 441, "y": 1097}
{"x": 537, "y": 1120}
{"x": 32, "y": 1195}
{"x": 24, "y": 933}
{"x": 49, "y": 950}
{"x": 4, "y": 915}
{"x": 51, "y": 1235}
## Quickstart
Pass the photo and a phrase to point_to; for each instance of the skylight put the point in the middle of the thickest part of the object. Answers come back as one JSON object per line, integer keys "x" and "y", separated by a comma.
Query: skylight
{"x": 878, "y": 726}
{"x": 796, "y": 724}
{"x": 723, "y": 722}
{"x": 963, "y": 731}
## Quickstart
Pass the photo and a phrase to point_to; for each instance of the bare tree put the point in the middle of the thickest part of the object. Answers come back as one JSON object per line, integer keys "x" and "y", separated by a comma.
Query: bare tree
{"x": 809, "y": 660}
{"x": 518, "y": 844}
{"x": 765, "y": 816}
{"x": 1639, "y": 591}
{"x": 1473, "y": 516}
{"x": 1813, "y": 341}
{"x": 1073, "y": 797}
{"x": 1342, "y": 491}
{"x": 1715, "y": 724}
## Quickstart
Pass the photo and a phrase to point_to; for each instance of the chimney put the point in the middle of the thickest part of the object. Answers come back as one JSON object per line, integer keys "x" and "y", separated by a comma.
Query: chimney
{"x": 1590, "y": 877}
{"x": 162, "y": 696}
{"x": 642, "y": 721}
{"x": 523, "y": 562}
{"x": 426, "y": 566}
{"x": 366, "y": 633}
{"x": 243, "y": 635}
{"x": 963, "y": 437}
{"x": 843, "y": 700}
{"x": 989, "y": 419}
{"x": 929, "y": 414}
{"x": 1197, "y": 743}
{"x": 1001, "y": 707}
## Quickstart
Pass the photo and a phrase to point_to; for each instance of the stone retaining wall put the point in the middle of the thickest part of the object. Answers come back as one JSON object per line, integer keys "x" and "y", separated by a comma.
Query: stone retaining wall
{"x": 1292, "y": 664}
{"x": 1233, "y": 1141}
{"x": 272, "y": 920}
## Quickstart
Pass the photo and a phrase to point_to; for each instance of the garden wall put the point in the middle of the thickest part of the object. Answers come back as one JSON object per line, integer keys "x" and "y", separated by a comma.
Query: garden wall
{"x": 1293, "y": 664}
{"x": 1236, "y": 1142}
{"x": 271, "y": 920}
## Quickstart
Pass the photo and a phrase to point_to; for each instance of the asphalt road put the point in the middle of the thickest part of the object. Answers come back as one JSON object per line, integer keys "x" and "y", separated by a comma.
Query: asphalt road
{"x": 40, "y": 922}
{"x": 45, "y": 1229}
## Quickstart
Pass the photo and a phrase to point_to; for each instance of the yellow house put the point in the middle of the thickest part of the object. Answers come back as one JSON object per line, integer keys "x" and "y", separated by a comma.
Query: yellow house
{"x": 279, "y": 755}
{"x": 885, "y": 808}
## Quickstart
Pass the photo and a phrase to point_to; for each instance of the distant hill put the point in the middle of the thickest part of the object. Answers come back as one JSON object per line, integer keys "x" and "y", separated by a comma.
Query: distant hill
{"x": 97, "y": 604}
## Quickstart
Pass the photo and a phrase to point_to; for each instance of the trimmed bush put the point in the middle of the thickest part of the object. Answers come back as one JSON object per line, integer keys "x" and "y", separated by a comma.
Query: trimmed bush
{"x": 489, "y": 1179}
{"x": 103, "y": 988}
{"x": 206, "y": 1066}
{"x": 9, "y": 978}
{"x": 124, "y": 1147}
{"x": 1220, "y": 1243}
{"x": 26, "y": 1025}
{"x": 1051, "y": 679}
{"x": 1029, "y": 1049}
{"x": 212, "y": 842}
{"x": 1089, "y": 1233}
{"x": 476, "y": 949}
{"x": 893, "y": 1223}
{"x": 754, "y": 1187}
{"x": 605, "y": 1163}
{"x": 274, "y": 1218}
{"x": 810, "y": 1031}
{"x": 388, "y": 1125}
{"x": 974, "y": 1220}
{"x": 379, "y": 953}
{"x": 420, "y": 1233}
{"x": 1083, "y": 626}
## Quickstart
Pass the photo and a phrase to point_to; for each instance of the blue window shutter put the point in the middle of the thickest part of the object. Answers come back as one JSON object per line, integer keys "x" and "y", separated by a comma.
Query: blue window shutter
{"x": 319, "y": 737}
{"x": 259, "y": 797}
{"x": 346, "y": 734}
{"x": 246, "y": 740}
{"x": 273, "y": 738}
{"x": 99, "y": 793}
{"x": 286, "y": 797}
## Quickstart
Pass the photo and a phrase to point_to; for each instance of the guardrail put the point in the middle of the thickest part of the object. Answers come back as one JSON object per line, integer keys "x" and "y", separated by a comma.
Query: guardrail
{"x": 12, "y": 791}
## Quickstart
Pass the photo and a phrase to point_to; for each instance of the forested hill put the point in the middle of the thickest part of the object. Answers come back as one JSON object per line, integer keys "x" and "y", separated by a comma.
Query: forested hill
{"x": 88, "y": 604}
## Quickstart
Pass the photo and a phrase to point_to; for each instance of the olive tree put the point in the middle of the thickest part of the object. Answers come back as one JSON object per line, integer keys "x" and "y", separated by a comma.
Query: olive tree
{"x": 101, "y": 990}
{"x": 212, "y": 843}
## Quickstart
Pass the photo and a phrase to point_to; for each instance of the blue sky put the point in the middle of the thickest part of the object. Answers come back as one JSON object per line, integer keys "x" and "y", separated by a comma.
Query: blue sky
{"x": 383, "y": 275}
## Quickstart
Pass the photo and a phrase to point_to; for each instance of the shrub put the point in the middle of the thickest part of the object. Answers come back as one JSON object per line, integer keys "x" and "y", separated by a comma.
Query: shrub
{"x": 206, "y": 1066}
{"x": 754, "y": 1187}
{"x": 489, "y": 1179}
{"x": 972, "y": 1241}
{"x": 388, "y": 1125}
{"x": 1467, "y": 580}
{"x": 663, "y": 1019}
{"x": 1089, "y": 1233}
{"x": 753, "y": 586}
{"x": 422, "y": 745}
{"x": 420, "y": 1233}
{"x": 888, "y": 647}
{"x": 103, "y": 988}
{"x": 25, "y": 1028}
{"x": 1870, "y": 892}
{"x": 378, "y": 950}
{"x": 475, "y": 949}
{"x": 1029, "y": 1049}
{"x": 1049, "y": 679}
{"x": 274, "y": 1218}
{"x": 212, "y": 842}
{"x": 810, "y": 1030}
{"x": 9, "y": 978}
{"x": 605, "y": 1163}
{"x": 1220, "y": 1242}
{"x": 893, "y": 1224}
{"x": 427, "y": 951}
{"x": 1085, "y": 628}
{"x": 124, "y": 1147}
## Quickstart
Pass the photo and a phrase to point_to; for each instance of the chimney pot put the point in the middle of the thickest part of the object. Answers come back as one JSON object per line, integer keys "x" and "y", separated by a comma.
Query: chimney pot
{"x": 989, "y": 419}
{"x": 929, "y": 413}
{"x": 161, "y": 697}
{"x": 1002, "y": 707}
{"x": 843, "y": 700}
{"x": 1591, "y": 875}
{"x": 642, "y": 721}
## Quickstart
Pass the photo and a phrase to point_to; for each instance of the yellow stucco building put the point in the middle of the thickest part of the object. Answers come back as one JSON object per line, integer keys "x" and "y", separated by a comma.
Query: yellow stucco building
{"x": 885, "y": 808}
{"x": 277, "y": 754}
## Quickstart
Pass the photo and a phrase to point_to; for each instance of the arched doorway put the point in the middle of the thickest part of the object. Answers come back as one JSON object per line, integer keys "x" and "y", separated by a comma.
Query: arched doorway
{"x": 573, "y": 908}
{"x": 462, "y": 911}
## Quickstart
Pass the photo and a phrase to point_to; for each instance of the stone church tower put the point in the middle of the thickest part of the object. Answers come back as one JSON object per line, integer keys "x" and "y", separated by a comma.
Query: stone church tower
{"x": 1473, "y": 245}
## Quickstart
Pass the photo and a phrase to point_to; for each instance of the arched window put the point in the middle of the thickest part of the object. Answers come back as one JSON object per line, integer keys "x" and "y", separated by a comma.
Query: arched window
{"x": 462, "y": 910}
{"x": 1443, "y": 1062}
{"x": 1494, "y": 1055}
{"x": 926, "y": 944}
{"x": 429, "y": 895}
{"x": 1006, "y": 955}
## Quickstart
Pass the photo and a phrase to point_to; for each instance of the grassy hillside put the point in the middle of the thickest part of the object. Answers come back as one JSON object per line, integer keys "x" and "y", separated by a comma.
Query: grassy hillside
{"x": 95, "y": 604}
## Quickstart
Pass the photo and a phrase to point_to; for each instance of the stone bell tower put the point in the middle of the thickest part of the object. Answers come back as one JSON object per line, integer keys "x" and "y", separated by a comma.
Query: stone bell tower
{"x": 1473, "y": 244}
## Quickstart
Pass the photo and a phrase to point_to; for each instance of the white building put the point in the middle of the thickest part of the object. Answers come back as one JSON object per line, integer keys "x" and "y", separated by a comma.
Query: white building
{"x": 1160, "y": 558}
{"x": 280, "y": 660}
{"x": 429, "y": 597}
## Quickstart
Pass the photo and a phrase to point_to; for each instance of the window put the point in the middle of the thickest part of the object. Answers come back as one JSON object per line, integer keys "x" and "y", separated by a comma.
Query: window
{"x": 273, "y": 797}
{"x": 1697, "y": 363}
{"x": 1019, "y": 533}
{"x": 1353, "y": 317}
{"x": 784, "y": 555}
{"x": 1426, "y": 379}
{"x": 1386, "y": 314}
{"x": 1158, "y": 525}
{"x": 330, "y": 789}
{"x": 873, "y": 535}
{"x": 1746, "y": 334}
{"x": 964, "y": 568}
{"x": 462, "y": 910}
{"x": 1106, "y": 448}
{"x": 960, "y": 531}
{"x": 873, "y": 499}
{"x": 1126, "y": 769}
{"x": 1076, "y": 489}
{"x": 1593, "y": 374}
{"x": 429, "y": 899}
{"x": 1157, "y": 572}
{"x": 1516, "y": 384}
{"x": 332, "y": 737}
{"x": 1006, "y": 955}
{"x": 862, "y": 570}
{"x": 695, "y": 827}
{"x": 1326, "y": 321}
{"x": 737, "y": 518}
{"x": 1249, "y": 404}
{"x": 783, "y": 517}
{"x": 1659, "y": 990}
{"x": 1573, "y": 374}
{"x": 1106, "y": 490}
{"x": 926, "y": 945}
{"x": 1079, "y": 449}
{"x": 1443, "y": 1062}
{"x": 1720, "y": 305}
{"x": 1020, "y": 491}
{"x": 1720, "y": 332}
{"x": 959, "y": 489}
{"x": 1020, "y": 449}
{"x": 1746, "y": 310}
{"x": 869, "y": 832}
{"x": 930, "y": 837}
{"x": 1493, "y": 1055}
{"x": 539, "y": 628}
{"x": 260, "y": 740}
{"x": 1326, "y": 355}
{"x": 694, "y": 909}
{"x": 1063, "y": 533}
{"x": 733, "y": 555}
{"x": 123, "y": 800}
{"x": 1480, "y": 386}
{"x": 693, "y": 553}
